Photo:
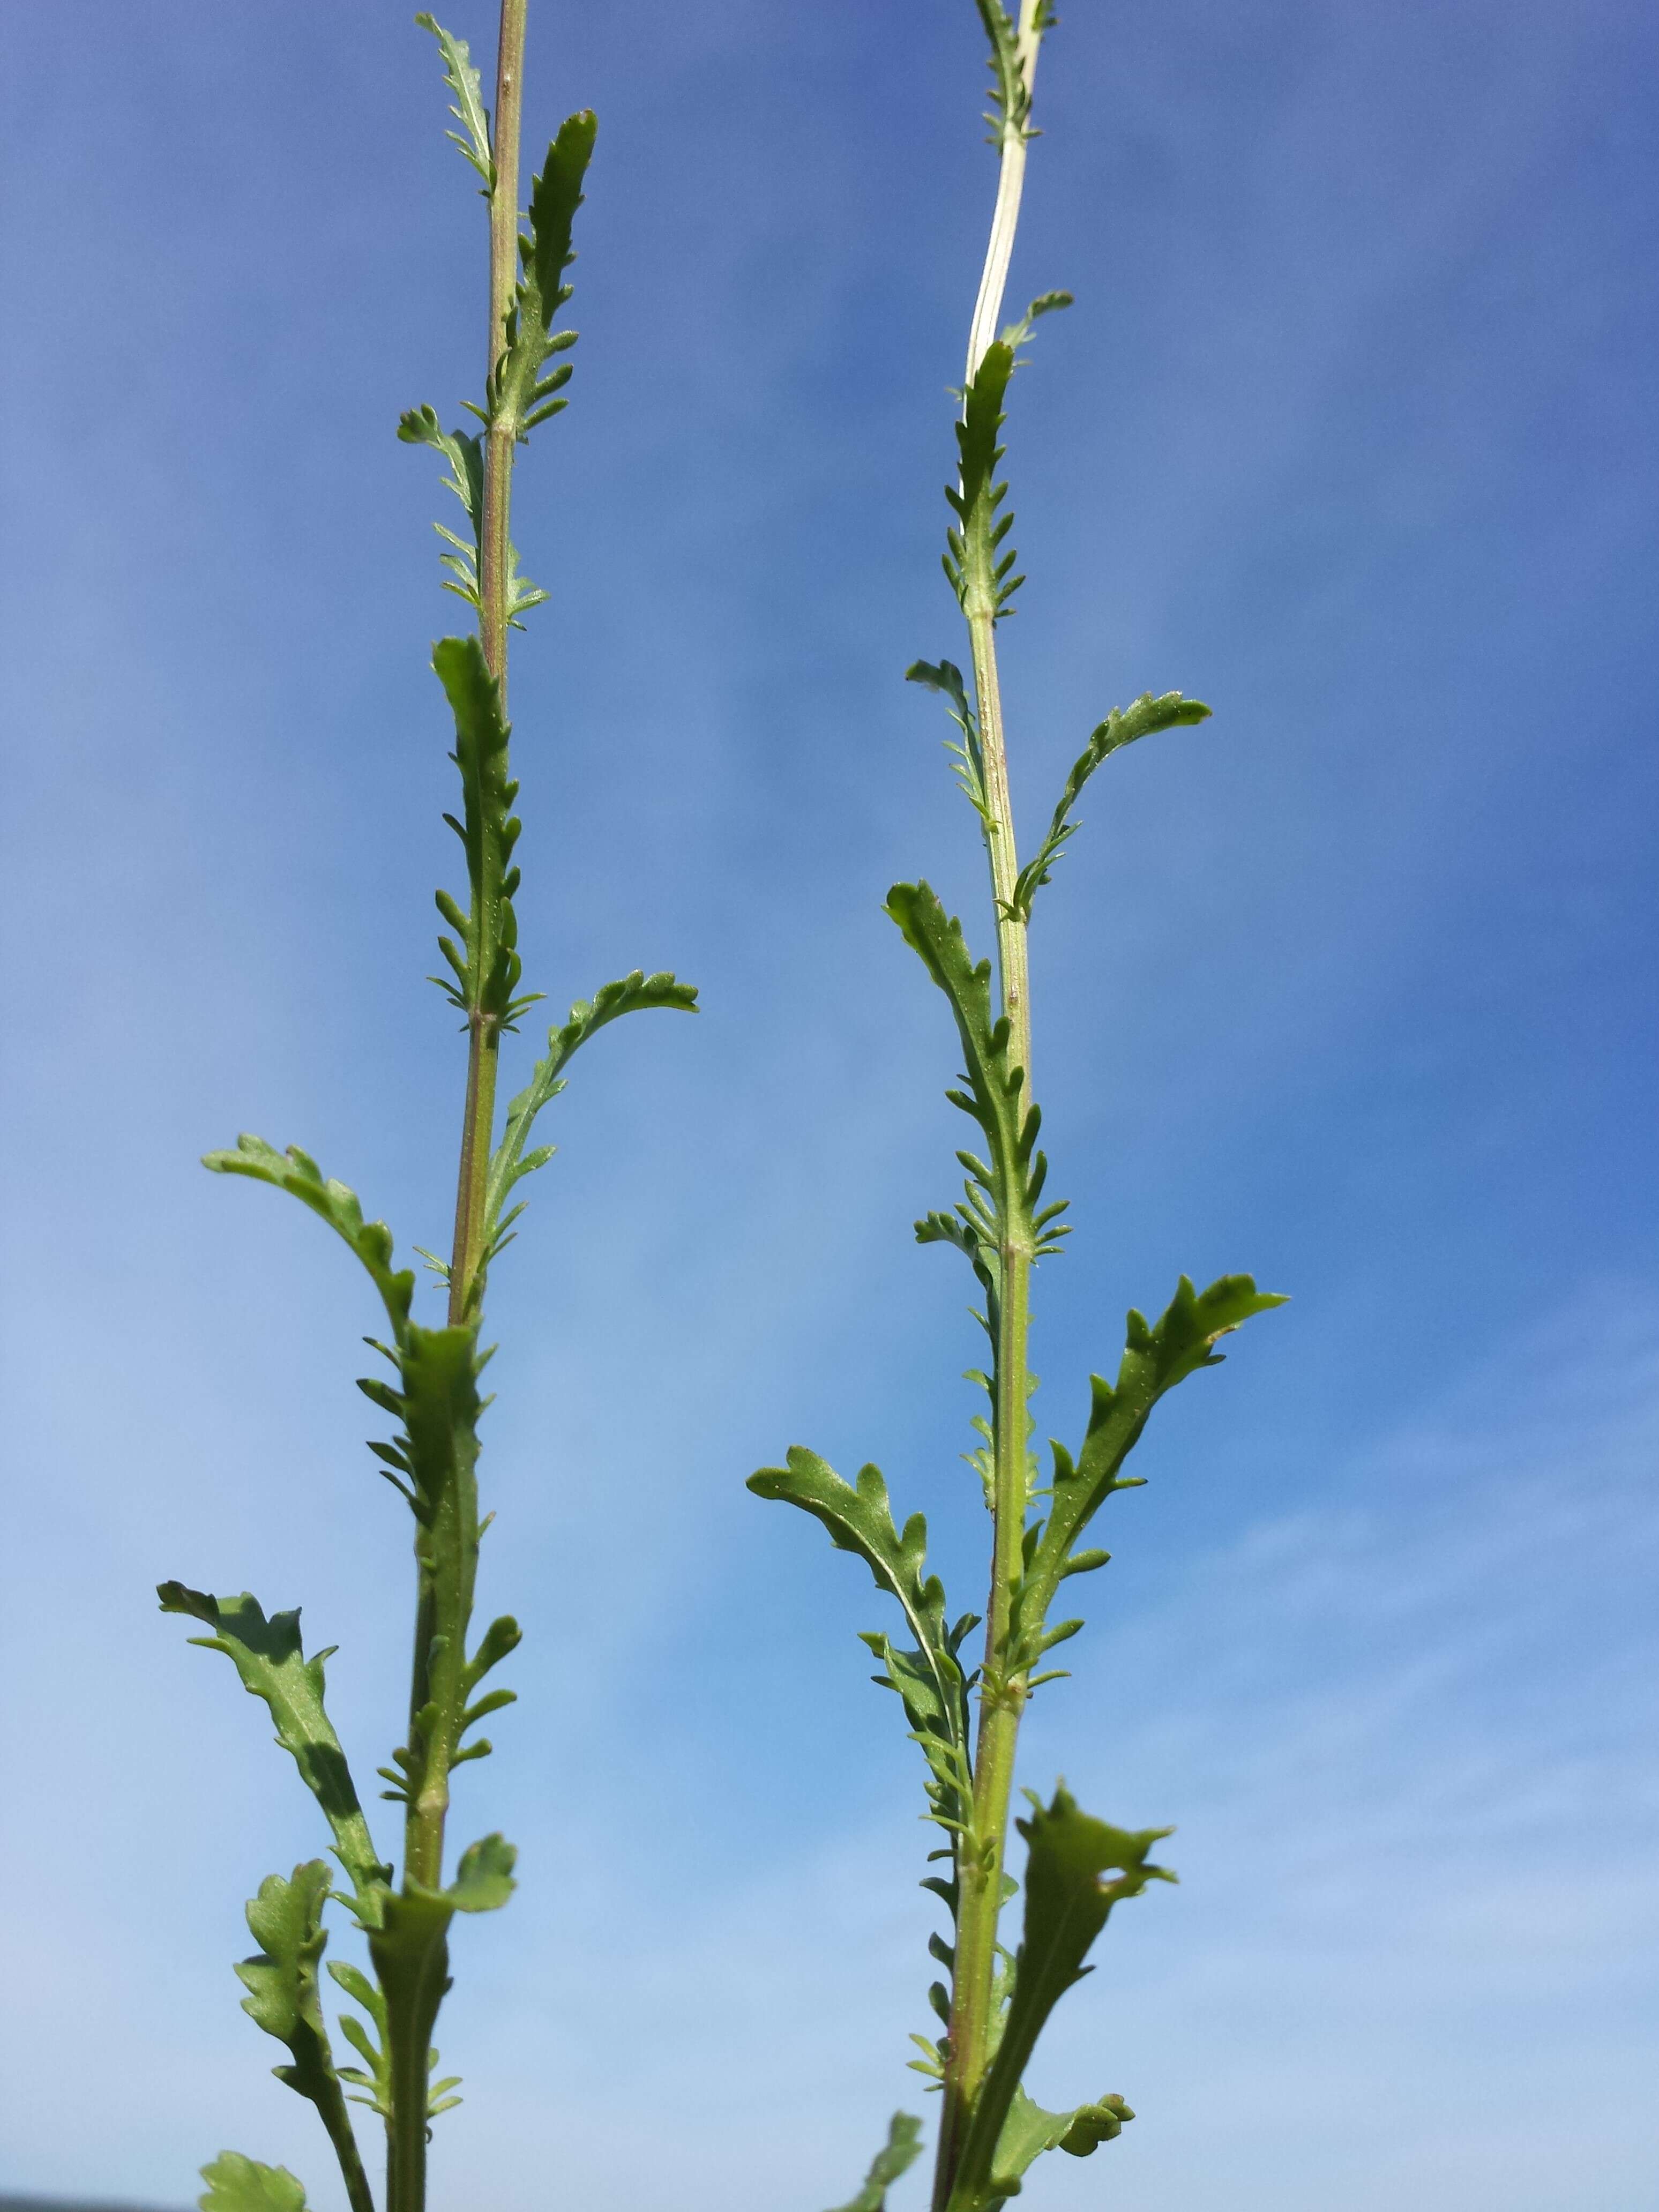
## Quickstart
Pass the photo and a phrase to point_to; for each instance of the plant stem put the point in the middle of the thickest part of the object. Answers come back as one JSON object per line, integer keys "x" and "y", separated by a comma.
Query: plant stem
{"x": 493, "y": 550}
{"x": 1010, "y": 184}
{"x": 495, "y": 561}
{"x": 979, "y": 1860}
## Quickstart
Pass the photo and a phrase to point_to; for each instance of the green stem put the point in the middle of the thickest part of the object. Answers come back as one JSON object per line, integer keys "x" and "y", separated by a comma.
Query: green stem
{"x": 503, "y": 275}
{"x": 337, "y": 2118}
{"x": 981, "y": 1855}
{"x": 409, "y": 2125}
{"x": 446, "y": 1547}
{"x": 495, "y": 561}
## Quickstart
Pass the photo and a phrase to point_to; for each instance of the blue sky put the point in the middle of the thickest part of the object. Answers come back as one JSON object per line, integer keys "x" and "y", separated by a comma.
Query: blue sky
{"x": 1351, "y": 434}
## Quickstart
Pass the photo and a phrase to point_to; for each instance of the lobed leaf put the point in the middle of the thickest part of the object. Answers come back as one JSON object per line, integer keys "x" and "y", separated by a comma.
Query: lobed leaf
{"x": 511, "y": 1162}
{"x": 283, "y": 1998}
{"x": 1010, "y": 97}
{"x": 1067, "y": 1903}
{"x": 1014, "y": 1179}
{"x": 519, "y": 394}
{"x": 1122, "y": 727}
{"x": 268, "y": 1655}
{"x": 975, "y": 563}
{"x": 235, "y": 2183}
{"x": 372, "y": 2049}
{"x": 298, "y": 1174}
{"x": 488, "y": 967}
{"x": 929, "y": 1681}
{"x": 410, "y": 1951}
{"x": 469, "y": 109}
{"x": 1029, "y": 2130}
{"x": 1156, "y": 1359}
{"x": 899, "y": 2152}
{"x": 969, "y": 753}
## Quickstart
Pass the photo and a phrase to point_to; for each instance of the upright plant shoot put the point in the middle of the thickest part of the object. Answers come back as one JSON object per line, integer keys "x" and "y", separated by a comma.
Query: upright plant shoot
{"x": 430, "y": 1390}
{"x": 993, "y": 2004}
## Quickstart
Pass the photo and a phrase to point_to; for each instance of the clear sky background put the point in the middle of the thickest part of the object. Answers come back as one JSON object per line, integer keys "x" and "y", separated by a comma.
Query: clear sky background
{"x": 1351, "y": 434}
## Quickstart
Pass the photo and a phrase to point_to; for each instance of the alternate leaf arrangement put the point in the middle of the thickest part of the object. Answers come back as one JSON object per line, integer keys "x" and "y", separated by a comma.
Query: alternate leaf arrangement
{"x": 994, "y": 2004}
{"x": 433, "y": 1391}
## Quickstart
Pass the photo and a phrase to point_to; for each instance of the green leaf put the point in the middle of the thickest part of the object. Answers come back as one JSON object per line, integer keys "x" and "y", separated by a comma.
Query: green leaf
{"x": 297, "y": 1173}
{"x": 511, "y": 1162}
{"x": 1010, "y": 98}
{"x": 975, "y": 561}
{"x": 1013, "y": 1180}
{"x": 483, "y": 1880}
{"x": 269, "y": 1657}
{"x": 491, "y": 969}
{"x": 1015, "y": 336}
{"x": 1155, "y": 1359}
{"x": 546, "y": 250}
{"x": 519, "y": 395}
{"x": 1067, "y": 1902}
{"x": 930, "y": 1679}
{"x": 1029, "y": 2130}
{"x": 1094, "y": 2124}
{"x": 469, "y": 109}
{"x": 410, "y": 1951}
{"x": 1122, "y": 727}
{"x": 860, "y": 1520}
{"x": 285, "y": 1921}
{"x": 464, "y": 450}
{"x": 968, "y": 756}
{"x": 235, "y": 2183}
{"x": 371, "y": 2048}
{"x": 440, "y": 1407}
{"x": 900, "y": 2151}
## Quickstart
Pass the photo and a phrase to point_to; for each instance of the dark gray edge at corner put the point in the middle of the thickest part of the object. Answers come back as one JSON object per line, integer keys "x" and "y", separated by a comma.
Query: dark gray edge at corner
{"x": 11, "y": 2202}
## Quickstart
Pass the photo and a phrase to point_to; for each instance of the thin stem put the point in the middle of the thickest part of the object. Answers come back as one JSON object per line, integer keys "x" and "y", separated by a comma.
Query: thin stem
{"x": 446, "y": 1549}
{"x": 1005, "y": 219}
{"x": 495, "y": 561}
{"x": 981, "y": 1858}
{"x": 337, "y": 2120}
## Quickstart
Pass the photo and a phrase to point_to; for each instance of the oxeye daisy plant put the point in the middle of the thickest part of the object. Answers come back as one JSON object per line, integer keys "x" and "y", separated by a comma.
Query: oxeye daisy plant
{"x": 964, "y": 1681}
{"x": 398, "y": 1907}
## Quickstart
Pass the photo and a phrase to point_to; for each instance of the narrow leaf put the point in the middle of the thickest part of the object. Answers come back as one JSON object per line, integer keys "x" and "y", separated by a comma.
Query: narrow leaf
{"x": 901, "y": 2150}
{"x": 469, "y": 109}
{"x": 268, "y": 1655}
{"x": 299, "y": 1175}
{"x": 1068, "y": 1899}
{"x": 235, "y": 2183}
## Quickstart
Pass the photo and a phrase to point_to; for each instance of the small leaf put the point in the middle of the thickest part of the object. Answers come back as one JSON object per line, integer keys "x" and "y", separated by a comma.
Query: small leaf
{"x": 235, "y": 2183}
{"x": 410, "y": 1951}
{"x": 469, "y": 109}
{"x": 1013, "y": 1179}
{"x": 1011, "y": 96}
{"x": 1094, "y": 2124}
{"x": 519, "y": 395}
{"x": 929, "y": 1681}
{"x": 1029, "y": 2131}
{"x": 976, "y": 564}
{"x": 510, "y": 1163}
{"x": 901, "y": 2151}
{"x": 1122, "y": 727}
{"x": 968, "y": 755}
{"x": 268, "y": 1657}
{"x": 285, "y": 1921}
{"x": 1155, "y": 1361}
{"x": 1067, "y": 1901}
{"x": 298, "y": 1174}
{"x": 483, "y": 1880}
{"x": 488, "y": 831}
